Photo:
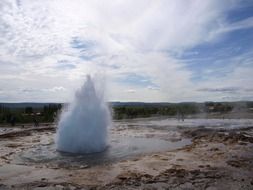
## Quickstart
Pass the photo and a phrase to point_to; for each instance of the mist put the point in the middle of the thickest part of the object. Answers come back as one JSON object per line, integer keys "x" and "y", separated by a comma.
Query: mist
{"x": 83, "y": 126}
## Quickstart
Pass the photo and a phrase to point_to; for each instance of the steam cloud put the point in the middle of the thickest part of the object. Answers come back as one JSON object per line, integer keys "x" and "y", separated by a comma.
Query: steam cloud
{"x": 83, "y": 126}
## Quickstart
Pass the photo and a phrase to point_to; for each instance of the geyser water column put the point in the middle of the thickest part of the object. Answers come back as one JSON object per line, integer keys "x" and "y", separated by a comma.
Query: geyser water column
{"x": 83, "y": 127}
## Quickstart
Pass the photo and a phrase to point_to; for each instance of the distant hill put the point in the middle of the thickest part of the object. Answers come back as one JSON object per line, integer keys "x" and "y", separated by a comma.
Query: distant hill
{"x": 118, "y": 104}
{"x": 26, "y": 104}
{"x": 147, "y": 104}
{"x": 46, "y": 112}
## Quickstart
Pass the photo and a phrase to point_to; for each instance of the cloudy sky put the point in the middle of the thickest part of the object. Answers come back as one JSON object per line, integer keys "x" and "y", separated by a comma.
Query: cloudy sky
{"x": 145, "y": 50}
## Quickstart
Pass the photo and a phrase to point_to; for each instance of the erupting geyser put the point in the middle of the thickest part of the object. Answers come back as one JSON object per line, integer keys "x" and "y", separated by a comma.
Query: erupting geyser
{"x": 83, "y": 126}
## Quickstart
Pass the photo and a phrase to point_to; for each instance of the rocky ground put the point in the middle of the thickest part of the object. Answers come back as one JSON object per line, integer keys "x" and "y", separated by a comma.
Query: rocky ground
{"x": 216, "y": 159}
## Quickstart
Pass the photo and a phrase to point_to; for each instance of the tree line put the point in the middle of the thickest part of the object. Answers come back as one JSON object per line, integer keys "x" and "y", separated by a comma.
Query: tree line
{"x": 123, "y": 112}
{"x": 29, "y": 114}
{"x": 49, "y": 112}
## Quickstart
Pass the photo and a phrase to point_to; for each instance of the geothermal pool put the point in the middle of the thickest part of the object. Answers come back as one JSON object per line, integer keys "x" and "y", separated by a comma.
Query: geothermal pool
{"x": 125, "y": 143}
{"x": 128, "y": 139}
{"x": 118, "y": 150}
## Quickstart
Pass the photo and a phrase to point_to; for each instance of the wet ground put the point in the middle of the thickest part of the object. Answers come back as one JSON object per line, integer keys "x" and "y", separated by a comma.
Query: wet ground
{"x": 157, "y": 153}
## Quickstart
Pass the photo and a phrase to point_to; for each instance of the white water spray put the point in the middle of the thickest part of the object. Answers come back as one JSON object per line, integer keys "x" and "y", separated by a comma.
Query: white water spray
{"x": 83, "y": 126}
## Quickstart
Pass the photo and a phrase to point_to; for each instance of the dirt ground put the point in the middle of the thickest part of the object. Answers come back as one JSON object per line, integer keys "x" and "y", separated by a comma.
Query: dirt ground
{"x": 216, "y": 159}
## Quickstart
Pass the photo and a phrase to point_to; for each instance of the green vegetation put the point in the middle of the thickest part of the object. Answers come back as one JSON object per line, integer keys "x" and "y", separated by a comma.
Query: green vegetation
{"x": 135, "y": 111}
{"x": 249, "y": 104}
{"x": 29, "y": 114}
{"x": 47, "y": 112}
{"x": 218, "y": 107}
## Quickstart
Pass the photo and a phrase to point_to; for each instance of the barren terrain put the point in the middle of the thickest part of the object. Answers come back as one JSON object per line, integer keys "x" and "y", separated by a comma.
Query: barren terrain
{"x": 195, "y": 154}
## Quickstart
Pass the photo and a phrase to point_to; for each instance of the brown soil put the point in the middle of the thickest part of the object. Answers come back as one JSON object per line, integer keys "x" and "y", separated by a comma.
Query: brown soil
{"x": 216, "y": 159}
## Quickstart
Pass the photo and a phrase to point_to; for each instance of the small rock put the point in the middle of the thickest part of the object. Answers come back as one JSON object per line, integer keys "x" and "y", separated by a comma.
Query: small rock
{"x": 4, "y": 157}
{"x": 83, "y": 166}
{"x": 72, "y": 187}
{"x": 42, "y": 185}
{"x": 59, "y": 186}
{"x": 214, "y": 149}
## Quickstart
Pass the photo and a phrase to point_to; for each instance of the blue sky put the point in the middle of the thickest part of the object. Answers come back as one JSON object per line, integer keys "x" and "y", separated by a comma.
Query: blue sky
{"x": 219, "y": 56}
{"x": 164, "y": 50}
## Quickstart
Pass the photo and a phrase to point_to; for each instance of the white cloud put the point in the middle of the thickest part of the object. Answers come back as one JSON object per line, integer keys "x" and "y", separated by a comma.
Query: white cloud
{"x": 130, "y": 91}
{"x": 225, "y": 28}
{"x": 153, "y": 88}
{"x": 111, "y": 37}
